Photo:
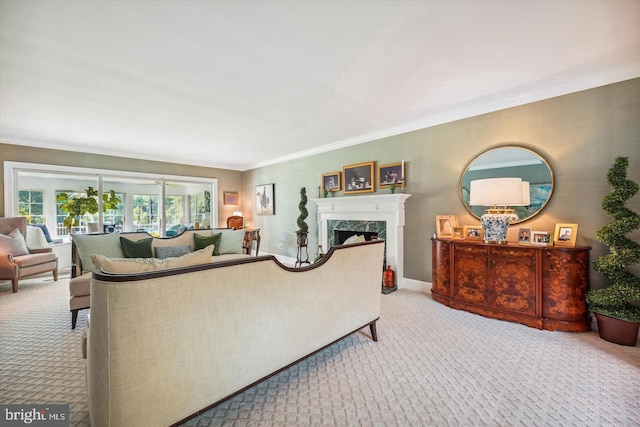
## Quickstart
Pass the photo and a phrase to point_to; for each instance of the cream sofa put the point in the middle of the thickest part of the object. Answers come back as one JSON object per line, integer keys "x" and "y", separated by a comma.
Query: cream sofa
{"x": 163, "y": 346}
{"x": 233, "y": 244}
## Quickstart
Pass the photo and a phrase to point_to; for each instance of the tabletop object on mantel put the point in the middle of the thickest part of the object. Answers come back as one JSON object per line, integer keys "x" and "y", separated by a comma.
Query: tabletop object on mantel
{"x": 542, "y": 287}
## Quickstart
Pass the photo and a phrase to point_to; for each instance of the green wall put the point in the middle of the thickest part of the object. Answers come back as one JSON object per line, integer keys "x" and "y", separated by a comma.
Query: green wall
{"x": 579, "y": 134}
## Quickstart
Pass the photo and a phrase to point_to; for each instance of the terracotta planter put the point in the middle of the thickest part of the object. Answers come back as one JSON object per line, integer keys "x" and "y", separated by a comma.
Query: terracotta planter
{"x": 617, "y": 331}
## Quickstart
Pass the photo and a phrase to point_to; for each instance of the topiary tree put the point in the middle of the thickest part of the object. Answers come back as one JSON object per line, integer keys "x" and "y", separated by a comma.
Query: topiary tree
{"x": 302, "y": 226}
{"x": 616, "y": 300}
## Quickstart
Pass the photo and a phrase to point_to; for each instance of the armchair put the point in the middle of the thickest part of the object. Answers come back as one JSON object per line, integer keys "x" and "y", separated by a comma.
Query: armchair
{"x": 16, "y": 259}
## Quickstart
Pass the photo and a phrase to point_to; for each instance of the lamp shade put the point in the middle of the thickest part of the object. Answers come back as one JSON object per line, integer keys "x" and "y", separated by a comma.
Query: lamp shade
{"x": 526, "y": 195}
{"x": 496, "y": 192}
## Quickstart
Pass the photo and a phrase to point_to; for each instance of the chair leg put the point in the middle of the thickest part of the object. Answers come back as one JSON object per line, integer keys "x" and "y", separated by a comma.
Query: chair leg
{"x": 14, "y": 284}
{"x": 55, "y": 275}
{"x": 74, "y": 318}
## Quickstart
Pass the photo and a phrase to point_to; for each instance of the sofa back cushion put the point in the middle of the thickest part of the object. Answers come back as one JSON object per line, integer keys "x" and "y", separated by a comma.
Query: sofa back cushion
{"x": 140, "y": 265}
{"x": 107, "y": 245}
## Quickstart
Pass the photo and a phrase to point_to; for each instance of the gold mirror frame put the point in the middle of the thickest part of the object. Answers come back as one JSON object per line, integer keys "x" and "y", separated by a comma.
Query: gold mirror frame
{"x": 511, "y": 161}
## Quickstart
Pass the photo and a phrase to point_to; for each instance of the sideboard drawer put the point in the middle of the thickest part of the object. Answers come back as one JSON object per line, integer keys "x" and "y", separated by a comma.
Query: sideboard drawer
{"x": 513, "y": 252}
{"x": 462, "y": 249}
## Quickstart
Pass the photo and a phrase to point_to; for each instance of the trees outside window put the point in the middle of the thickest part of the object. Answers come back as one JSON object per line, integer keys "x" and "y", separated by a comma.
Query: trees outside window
{"x": 31, "y": 205}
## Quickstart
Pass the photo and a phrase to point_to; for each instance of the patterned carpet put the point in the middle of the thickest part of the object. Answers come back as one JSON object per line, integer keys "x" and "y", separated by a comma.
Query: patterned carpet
{"x": 433, "y": 366}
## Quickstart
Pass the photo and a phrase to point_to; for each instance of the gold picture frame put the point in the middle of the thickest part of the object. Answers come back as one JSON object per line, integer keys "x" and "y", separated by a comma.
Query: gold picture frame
{"x": 458, "y": 233}
{"x": 473, "y": 232}
{"x": 392, "y": 173}
{"x": 230, "y": 197}
{"x": 444, "y": 226}
{"x": 565, "y": 235}
{"x": 331, "y": 182}
{"x": 359, "y": 178}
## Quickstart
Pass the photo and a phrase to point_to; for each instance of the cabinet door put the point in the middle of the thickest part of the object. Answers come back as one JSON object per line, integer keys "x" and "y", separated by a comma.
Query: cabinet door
{"x": 441, "y": 265}
{"x": 513, "y": 280}
{"x": 471, "y": 274}
{"x": 565, "y": 281}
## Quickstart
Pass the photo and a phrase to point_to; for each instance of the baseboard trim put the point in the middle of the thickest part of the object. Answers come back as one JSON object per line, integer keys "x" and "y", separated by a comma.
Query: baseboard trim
{"x": 415, "y": 285}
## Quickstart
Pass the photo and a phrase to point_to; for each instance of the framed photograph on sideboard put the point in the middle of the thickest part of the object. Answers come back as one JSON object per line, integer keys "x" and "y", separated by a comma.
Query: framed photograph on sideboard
{"x": 473, "y": 232}
{"x": 565, "y": 235}
{"x": 524, "y": 235}
{"x": 540, "y": 238}
{"x": 444, "y": 226}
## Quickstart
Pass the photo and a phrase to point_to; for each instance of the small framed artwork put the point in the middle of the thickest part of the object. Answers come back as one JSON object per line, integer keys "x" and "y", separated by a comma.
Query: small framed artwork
{"x": 565, "y": 235}
{"x": 473, "y": 232}
{"x": 265, "y": 199}
{"x": 458, "y": 233}
{"x": 540, "y": 238}
{"x": 444, "y": 226}
{"x": 524, "y": 235}
{"x": 230, "y": 197}
{"x": 331, "y": 181}
{"x": 392, "y": 173}
{"x": 358, "y": 178}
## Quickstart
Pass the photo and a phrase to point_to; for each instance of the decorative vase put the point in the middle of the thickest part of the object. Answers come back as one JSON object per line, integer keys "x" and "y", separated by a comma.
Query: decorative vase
{"x": 617, "y": 331}
{"x": 389, "y": 278}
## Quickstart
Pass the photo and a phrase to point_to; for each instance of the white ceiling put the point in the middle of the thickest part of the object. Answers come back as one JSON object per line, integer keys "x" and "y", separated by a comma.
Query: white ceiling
{"x": 242, "y": 84}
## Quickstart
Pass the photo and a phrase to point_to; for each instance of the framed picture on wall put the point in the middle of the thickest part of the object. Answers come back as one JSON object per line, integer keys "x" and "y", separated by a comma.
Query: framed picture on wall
{"x": 390, "y": 174}
{"x": 331, "y": 181}
{"x": 230, "y": 197}
{"x": 265, "y": 199}
{"x": 358, "y": 178}
{"x": 565, "y": 235}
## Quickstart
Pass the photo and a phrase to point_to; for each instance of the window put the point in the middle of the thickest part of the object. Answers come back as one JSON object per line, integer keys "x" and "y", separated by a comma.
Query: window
{"x": 61, "y": 215}
{"x": 31, "y": 205}
{"x": 145, "y": 213}
{"x": 174, "y": 210}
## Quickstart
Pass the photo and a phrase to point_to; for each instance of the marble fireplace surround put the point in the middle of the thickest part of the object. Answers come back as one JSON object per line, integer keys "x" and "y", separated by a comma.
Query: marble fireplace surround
{"x": 376, "y": 207}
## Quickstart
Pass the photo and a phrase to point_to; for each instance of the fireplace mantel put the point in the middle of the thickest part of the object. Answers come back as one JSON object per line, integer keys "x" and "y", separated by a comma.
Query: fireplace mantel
{"x": 375, "y": 207}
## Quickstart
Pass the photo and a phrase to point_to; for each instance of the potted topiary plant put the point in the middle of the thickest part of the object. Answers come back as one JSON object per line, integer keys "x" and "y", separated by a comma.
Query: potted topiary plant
{"x": 303, "y": 229}
{"x": 616, "y": 306}
{"x": 75, "y": 207}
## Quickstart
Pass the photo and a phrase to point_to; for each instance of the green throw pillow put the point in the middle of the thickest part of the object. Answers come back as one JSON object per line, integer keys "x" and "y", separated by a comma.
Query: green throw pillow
{"x": 201, "y": 242}
{"x": 137, "y": 249}
{"x": 231, "y": 242}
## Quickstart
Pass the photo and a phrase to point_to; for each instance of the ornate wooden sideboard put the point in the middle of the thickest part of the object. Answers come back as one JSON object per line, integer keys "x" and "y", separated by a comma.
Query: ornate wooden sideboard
{"x": 539, "y": 286}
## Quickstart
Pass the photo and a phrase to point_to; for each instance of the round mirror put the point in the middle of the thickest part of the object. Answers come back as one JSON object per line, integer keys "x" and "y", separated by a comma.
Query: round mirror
{"x": 511, "y": 161}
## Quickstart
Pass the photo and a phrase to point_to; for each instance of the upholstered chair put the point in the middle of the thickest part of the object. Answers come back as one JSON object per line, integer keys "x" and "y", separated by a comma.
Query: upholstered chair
{"x": 16, "y": 259}
{"x": 236, "y": 222}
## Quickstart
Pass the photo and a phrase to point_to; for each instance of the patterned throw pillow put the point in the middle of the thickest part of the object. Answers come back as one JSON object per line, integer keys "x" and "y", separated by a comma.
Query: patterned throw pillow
{"x": 102, "y": 244}
{"x": 137, "y": 249}
{"x": 13, "y": 243}
{"x": 163, "y": 252}
{"x": 201, "y": 241}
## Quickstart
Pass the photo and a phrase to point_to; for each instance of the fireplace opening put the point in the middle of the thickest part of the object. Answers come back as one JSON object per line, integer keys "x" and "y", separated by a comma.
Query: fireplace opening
{"x": 339, "y": 236}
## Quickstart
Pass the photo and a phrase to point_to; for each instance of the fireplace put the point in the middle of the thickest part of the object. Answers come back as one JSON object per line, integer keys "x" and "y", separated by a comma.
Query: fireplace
{"x": 339, "y": 236}
{"x": 379, "y": 213}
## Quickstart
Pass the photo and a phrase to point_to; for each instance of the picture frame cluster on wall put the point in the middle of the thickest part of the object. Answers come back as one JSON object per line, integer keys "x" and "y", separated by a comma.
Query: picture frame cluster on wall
{"x": 361, "y": 178}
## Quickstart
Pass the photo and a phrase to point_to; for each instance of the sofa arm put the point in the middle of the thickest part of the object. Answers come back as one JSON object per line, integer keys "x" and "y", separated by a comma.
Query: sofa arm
{"x": 8, "y": 268}
{"x": 39, "y": 250}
